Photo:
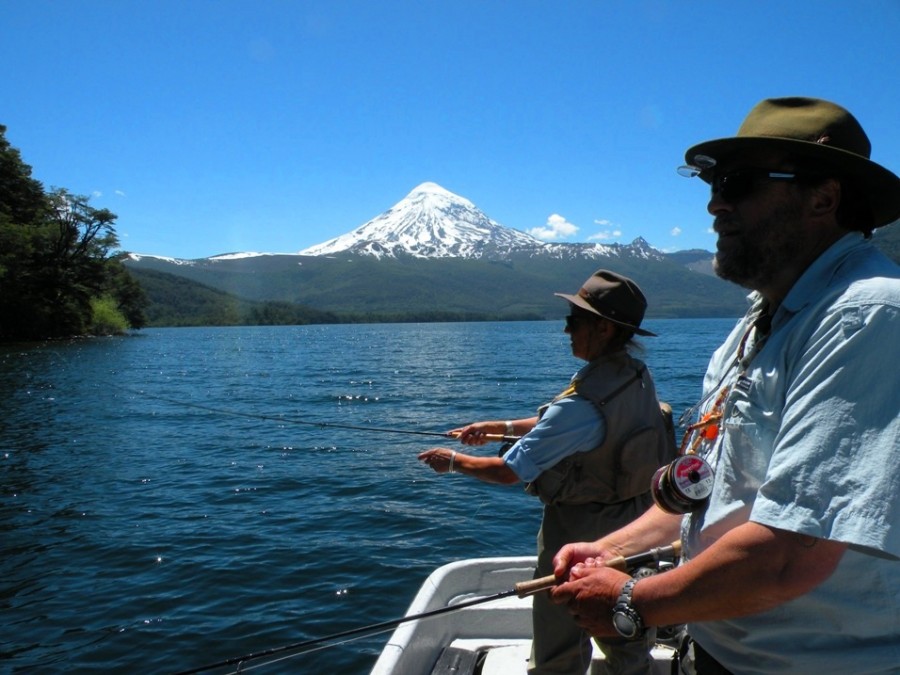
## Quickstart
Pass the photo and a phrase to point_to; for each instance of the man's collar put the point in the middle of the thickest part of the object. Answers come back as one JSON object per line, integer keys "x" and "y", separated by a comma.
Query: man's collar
{"x": 819, "y": 274}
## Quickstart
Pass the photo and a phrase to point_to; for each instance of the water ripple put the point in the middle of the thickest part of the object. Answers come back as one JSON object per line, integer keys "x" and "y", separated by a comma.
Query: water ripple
{"x": 141, "y": 534}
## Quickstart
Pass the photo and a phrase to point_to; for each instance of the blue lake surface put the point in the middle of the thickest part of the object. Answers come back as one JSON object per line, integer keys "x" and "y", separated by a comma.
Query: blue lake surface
{"x": 181, "y": 496}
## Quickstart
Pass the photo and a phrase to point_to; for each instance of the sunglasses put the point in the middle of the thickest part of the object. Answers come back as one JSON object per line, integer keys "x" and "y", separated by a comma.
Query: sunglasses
{"x": 575, "y": 320}
{"x": 733, "y": 186}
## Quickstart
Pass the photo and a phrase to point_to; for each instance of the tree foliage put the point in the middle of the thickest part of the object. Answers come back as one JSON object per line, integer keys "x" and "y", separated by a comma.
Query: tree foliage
{"x": 176, "y": 301}
{"x": 57, "y": 259}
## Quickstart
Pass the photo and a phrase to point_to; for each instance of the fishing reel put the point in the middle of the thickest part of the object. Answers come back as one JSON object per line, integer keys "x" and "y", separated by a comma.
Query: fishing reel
{"x": 647, "y": 571}
{"x": 667, "y": 635}
{"x": 683, "y": 486}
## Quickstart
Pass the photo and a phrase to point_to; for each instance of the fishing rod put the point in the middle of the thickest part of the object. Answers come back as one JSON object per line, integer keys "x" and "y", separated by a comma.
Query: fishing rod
{"x": 652, "y": 557}
{"x": 522, "y": 589}
{"x": 324, "y": 425}
{"x": 362, "y": 630}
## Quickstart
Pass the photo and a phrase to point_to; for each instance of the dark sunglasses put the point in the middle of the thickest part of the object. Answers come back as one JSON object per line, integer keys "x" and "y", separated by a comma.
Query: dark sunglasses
{"x": 733, "y": 186}
{"x": 575, "y": 320}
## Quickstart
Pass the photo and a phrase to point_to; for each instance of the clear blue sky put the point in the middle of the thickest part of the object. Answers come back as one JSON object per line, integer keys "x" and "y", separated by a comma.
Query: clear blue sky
{"x": 214, "y": 126}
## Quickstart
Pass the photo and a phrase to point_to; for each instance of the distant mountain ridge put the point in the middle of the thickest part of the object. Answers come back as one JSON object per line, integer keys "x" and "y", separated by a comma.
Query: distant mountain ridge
{"x": 435, "y": 253}
{"x": 432, "y": 222}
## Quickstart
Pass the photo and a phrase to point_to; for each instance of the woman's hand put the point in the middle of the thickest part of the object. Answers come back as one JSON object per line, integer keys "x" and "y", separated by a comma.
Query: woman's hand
{"x": 475, "y": 434}
{"x": 439, "y": 459}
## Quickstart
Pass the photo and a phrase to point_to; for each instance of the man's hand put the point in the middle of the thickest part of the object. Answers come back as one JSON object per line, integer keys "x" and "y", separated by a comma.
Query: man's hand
{"x": 573, "y": 554}
{"x": 590, "y": 595}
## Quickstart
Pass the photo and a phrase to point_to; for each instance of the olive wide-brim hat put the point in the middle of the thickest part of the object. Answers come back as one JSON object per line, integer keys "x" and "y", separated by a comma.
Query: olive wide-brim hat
{"x": 614, "y": 298}
{"x": 819, "y": 133}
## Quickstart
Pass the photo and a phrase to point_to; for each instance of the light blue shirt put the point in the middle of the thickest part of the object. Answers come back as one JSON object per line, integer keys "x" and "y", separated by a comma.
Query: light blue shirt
{"x": 811, "y": 444}
{"x": 571, "y": 424}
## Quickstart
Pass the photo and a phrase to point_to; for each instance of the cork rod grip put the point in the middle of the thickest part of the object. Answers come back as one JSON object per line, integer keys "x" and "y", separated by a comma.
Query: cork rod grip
{"x": 496, "y": 438}
{"x": 621, "y": 563}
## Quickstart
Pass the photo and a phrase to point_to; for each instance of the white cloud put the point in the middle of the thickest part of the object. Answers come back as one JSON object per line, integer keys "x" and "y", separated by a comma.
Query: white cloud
{"x": 675, "y": 231}
{"x": 606, "y": 235}
{"x": 611, "y": 231}
{"x": 557, "y": 228}
{"x": 96, "y": 194}
{"x": 120, "y": 193}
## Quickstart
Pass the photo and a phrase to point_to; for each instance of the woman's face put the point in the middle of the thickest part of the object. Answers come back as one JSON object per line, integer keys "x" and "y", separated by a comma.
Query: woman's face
{"x": 585, "y": 334}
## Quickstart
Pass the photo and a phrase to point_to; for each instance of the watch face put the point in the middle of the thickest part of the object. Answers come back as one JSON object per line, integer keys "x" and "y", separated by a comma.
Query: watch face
{"x": 624, "y": 625}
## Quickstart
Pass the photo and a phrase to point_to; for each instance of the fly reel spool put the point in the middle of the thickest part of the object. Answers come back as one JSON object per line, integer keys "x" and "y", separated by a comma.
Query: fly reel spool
{"x": 683, "y": 486}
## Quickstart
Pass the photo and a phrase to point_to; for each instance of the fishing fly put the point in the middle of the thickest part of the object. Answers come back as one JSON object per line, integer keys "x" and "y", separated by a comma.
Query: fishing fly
{"x": 686, "y": 484}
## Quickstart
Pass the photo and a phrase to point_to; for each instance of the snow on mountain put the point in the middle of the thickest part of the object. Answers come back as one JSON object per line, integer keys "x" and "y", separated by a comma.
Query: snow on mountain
{"x": 137, "y": 257}
{"x": 430, "y": 222}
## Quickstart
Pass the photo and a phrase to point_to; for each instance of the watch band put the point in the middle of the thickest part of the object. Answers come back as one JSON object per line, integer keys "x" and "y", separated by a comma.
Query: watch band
{"x": 626, "y": 620}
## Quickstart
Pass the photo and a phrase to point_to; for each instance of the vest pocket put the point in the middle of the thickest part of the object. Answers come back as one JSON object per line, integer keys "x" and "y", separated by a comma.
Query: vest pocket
{"x": 549, "y": 486}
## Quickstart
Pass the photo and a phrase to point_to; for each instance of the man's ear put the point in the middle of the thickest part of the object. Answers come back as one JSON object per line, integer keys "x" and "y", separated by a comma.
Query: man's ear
{"x": 826, "y": 197}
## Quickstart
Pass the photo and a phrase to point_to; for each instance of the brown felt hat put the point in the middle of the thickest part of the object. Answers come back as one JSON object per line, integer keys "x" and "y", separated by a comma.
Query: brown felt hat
{"x": 815, "y": 131}
{"x": 613, "y": 297}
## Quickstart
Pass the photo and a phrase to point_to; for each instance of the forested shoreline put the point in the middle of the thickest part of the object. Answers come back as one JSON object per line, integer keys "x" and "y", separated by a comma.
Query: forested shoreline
{"x": 61, "y": 273}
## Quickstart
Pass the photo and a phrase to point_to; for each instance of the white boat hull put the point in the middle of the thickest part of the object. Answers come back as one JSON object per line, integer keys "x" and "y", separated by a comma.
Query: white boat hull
{"x": 496, "y": 635}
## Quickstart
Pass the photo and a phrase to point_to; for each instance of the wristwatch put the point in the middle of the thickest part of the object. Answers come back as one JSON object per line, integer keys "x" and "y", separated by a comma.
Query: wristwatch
{"x": 626, "y": 620}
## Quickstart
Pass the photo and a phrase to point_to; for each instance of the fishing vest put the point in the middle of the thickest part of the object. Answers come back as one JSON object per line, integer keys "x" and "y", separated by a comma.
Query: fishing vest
{"x": 639, "y": 438}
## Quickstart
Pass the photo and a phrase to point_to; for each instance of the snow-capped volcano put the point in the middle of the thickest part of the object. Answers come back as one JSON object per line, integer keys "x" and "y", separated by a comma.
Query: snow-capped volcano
{"x": 430, "y": 222}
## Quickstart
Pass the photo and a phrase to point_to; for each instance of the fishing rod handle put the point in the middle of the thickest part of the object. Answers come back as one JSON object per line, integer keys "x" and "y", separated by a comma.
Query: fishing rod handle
{"x": 500, "y": 438}
{"x": 525, "y": 588}
{"x": 621, "y": 563}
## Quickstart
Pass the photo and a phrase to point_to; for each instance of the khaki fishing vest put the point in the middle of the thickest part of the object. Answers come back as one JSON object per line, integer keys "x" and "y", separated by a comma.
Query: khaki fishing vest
{"x": 639, "y": 439}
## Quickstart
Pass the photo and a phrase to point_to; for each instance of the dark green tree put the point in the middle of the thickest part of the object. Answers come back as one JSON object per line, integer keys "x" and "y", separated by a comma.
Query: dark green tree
{"x": 22, "y": 204}
{"x": 21, "y": 196}
{"x": 56, "y": 256}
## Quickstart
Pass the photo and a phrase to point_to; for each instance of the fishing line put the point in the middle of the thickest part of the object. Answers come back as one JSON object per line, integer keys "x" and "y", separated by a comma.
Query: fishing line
{"x": 318, "y": 648}
{"x": 362, "y": 631}
{"x": 241, "y": 668}
{"x": 286, "y": 420}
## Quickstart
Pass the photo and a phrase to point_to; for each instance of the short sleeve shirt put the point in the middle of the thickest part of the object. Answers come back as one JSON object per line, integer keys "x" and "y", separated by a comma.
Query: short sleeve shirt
{"x": 810, "y": 443}
{"x": 570, "y": 424}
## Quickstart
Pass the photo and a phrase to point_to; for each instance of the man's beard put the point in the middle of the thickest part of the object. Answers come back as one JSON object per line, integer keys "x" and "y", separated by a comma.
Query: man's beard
{"x": 754, "y": 254}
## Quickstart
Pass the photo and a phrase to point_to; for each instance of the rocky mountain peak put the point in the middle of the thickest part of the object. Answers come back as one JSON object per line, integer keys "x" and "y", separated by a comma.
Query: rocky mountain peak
{"x": 430, "y": 222}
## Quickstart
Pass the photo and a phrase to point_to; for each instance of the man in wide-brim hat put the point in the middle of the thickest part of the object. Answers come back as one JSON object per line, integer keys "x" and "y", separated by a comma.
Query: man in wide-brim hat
{"x": 792, "y": 564}
{"x": 819, "y": 135}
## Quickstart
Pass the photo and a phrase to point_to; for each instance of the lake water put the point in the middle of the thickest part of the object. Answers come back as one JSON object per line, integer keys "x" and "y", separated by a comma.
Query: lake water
{"x": 161, "y": 508}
